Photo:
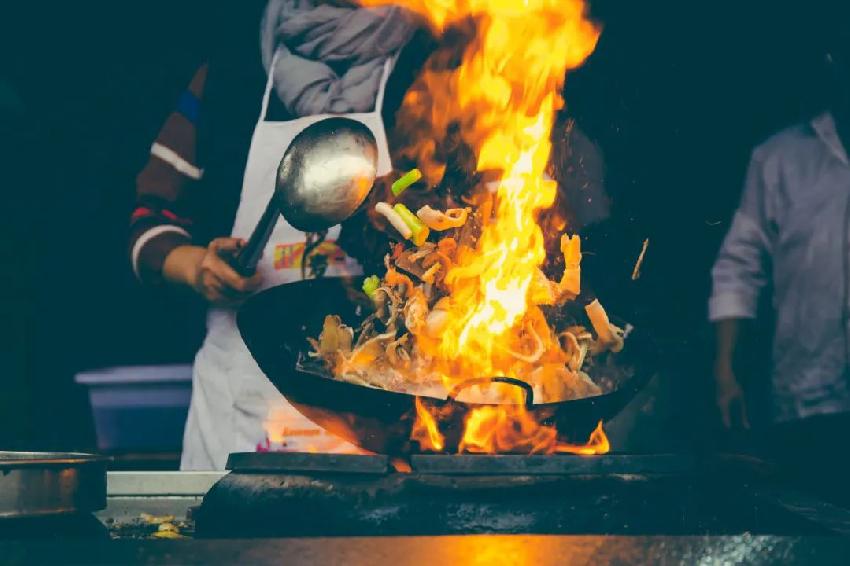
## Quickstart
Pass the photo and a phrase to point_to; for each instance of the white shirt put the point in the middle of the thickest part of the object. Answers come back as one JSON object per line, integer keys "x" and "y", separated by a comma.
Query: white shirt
{"x": 793, "y": 225}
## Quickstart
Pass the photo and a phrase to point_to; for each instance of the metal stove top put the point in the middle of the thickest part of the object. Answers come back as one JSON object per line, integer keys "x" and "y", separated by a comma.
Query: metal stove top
{"x": 288, "y": 494}
{"x": 463, "y": 464}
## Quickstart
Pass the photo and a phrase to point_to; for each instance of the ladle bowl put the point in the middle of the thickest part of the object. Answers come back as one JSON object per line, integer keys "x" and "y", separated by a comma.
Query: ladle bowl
{"x": 324, "y": 176}
{"x": 326, "y": 173}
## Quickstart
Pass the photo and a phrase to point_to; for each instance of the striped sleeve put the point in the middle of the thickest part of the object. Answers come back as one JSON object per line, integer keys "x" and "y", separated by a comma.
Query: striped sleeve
{"x": 161, "y": 219}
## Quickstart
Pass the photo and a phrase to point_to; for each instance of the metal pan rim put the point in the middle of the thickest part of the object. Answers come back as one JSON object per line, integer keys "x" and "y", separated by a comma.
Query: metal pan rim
{"x": 12, "y": 460}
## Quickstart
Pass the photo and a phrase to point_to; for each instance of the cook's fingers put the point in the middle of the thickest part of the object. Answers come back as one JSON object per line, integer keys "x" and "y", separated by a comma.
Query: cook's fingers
{"x": 233, "y": 294}
{"x": 216, "y": 298}
{"x": 213, "y": 285}
{"x": 725, "y": 415}
{"x": 224, "y": 289}
{"x": 213, "y": 290}
{"x": 227, "y": 244}
{"x": 253, "y": 282}
{"x": 229, "y": 277}
{"x": 220, "y": 294}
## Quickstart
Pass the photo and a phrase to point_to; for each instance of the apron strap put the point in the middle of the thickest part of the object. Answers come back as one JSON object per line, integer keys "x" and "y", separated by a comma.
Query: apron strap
{"x": 382, "y": 87}
{"x": 264, "y": 107}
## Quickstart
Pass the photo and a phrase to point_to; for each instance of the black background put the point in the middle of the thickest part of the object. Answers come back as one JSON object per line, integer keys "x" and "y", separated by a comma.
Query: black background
{"x": 677, "y": 94}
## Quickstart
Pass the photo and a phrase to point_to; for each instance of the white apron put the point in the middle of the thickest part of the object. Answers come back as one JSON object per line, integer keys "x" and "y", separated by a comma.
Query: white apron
{"x": 234, "y": 407}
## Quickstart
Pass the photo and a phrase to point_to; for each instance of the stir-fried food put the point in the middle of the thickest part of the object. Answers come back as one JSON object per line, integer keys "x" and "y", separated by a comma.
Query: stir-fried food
{"x": 469, "y": 293}
{"x": 398, "y": 345}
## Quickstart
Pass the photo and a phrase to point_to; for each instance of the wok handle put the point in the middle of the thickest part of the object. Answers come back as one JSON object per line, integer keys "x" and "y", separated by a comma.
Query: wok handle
{"x": 245, "y": 261}
{"x": 529, "y": 391}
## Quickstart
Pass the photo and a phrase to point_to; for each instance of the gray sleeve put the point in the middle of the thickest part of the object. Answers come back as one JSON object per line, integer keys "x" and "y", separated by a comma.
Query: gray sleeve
{"x": 739, "y": 272}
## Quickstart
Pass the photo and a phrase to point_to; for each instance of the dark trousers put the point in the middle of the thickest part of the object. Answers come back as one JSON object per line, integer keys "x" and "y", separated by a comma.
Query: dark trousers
{"x": 814, "y": 455}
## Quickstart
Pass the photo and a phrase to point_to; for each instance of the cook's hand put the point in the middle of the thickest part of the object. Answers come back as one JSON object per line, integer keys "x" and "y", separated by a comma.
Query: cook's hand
{"x": 730, "y": 398}
{"x": 205, "y": 271}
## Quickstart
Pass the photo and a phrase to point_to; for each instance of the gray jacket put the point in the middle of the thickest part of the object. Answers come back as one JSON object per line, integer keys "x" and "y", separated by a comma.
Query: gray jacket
{"x": 793, "y": 225}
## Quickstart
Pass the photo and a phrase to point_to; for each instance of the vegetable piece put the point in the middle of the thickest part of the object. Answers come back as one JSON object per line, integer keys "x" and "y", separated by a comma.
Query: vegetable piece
{"x": 599, "y": 319}
{"x": 447, "y": 246}
{"x": 609, "y": 335}
{"x": 439, "y": 220}
{"x": 571, "y": 279}
{"x": 636, "y": 270}
{"x": 401, "y": 184}
{"x": 371, "y": 284}
{"x": 421, "y": 237}
{"x": 419, "y": 232}
{"x": 395, "y": 219}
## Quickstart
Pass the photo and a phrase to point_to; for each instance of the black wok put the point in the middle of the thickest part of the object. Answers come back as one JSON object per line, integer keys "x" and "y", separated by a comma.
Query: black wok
{"x": 275, "y": 325}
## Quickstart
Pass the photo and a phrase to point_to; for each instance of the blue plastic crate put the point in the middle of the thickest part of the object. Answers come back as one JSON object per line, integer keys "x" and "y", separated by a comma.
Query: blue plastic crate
{"x": 139, "y": 408}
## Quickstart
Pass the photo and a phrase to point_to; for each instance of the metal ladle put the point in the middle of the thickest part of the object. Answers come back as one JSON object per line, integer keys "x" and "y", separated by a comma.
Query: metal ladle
{"x": 325, "y": 175}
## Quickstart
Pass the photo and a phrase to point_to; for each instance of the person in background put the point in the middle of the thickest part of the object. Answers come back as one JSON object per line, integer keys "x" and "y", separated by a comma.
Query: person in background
{"x": 792, "y": 229}
{"x": 212, "y": 171}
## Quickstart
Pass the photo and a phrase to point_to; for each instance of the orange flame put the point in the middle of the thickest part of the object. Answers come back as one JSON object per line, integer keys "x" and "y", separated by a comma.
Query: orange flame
{"x": 597, "y": 444}
{"x": 284, "y": 428}
{"x": 425, "y": 429}
{"x": 498, "y": 429}
{"x": 504, "y": 97}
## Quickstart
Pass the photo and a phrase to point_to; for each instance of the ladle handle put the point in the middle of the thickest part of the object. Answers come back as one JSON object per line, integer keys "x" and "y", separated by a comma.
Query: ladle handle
{"x": 245, "y": 261}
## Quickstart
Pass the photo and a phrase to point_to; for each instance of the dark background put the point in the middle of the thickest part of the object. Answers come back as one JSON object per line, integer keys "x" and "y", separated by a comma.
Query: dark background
{"x": 677, "y": 94}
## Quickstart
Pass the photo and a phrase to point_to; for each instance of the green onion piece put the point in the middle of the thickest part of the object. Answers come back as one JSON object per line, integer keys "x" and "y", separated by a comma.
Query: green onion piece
{"x": 370, "y": 285}
{"x": 405, "y": 181}
{"x": 419, "y": 230}
{"x": 421, "y": 236}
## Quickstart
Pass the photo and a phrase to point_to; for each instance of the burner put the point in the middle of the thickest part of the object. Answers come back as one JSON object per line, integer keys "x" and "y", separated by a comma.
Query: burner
{"x": 288, "y": 494}
{"x": 306, "y": 462}
{"x": 463, "y": 464}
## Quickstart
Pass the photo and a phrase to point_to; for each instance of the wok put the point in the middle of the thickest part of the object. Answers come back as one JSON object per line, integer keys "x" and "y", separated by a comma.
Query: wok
{"x": 275, "y": 325}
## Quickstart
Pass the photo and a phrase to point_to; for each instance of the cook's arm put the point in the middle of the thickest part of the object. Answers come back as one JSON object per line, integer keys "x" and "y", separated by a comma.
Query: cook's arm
{"x": 738, "y": 277}
{"x": 162, "y": 219}
{"x": 161, "y": 245}
{"x": 728, "y": 393}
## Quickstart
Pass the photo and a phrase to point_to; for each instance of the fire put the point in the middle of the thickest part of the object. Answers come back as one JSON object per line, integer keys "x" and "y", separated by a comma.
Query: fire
{"x": 425, "y": 429}
{"x": 596, "y": 444}
{"x": 499, "y": 429}
{"x": 502, "y": 99}
{"x": 282, "y": 428}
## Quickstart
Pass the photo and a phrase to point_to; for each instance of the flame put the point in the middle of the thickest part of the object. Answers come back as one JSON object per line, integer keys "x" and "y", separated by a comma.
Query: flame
{"x": 493, "y": 430}
{"x": 502, "y": 102}
{"x": 498, "y": 429}
{"x": 425, "y": 429}
{"x": 275, "y": 424}
{"x": 596, "y": 444}
{"x": 401, "y": 466}
{"x": 283, "y": 424}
